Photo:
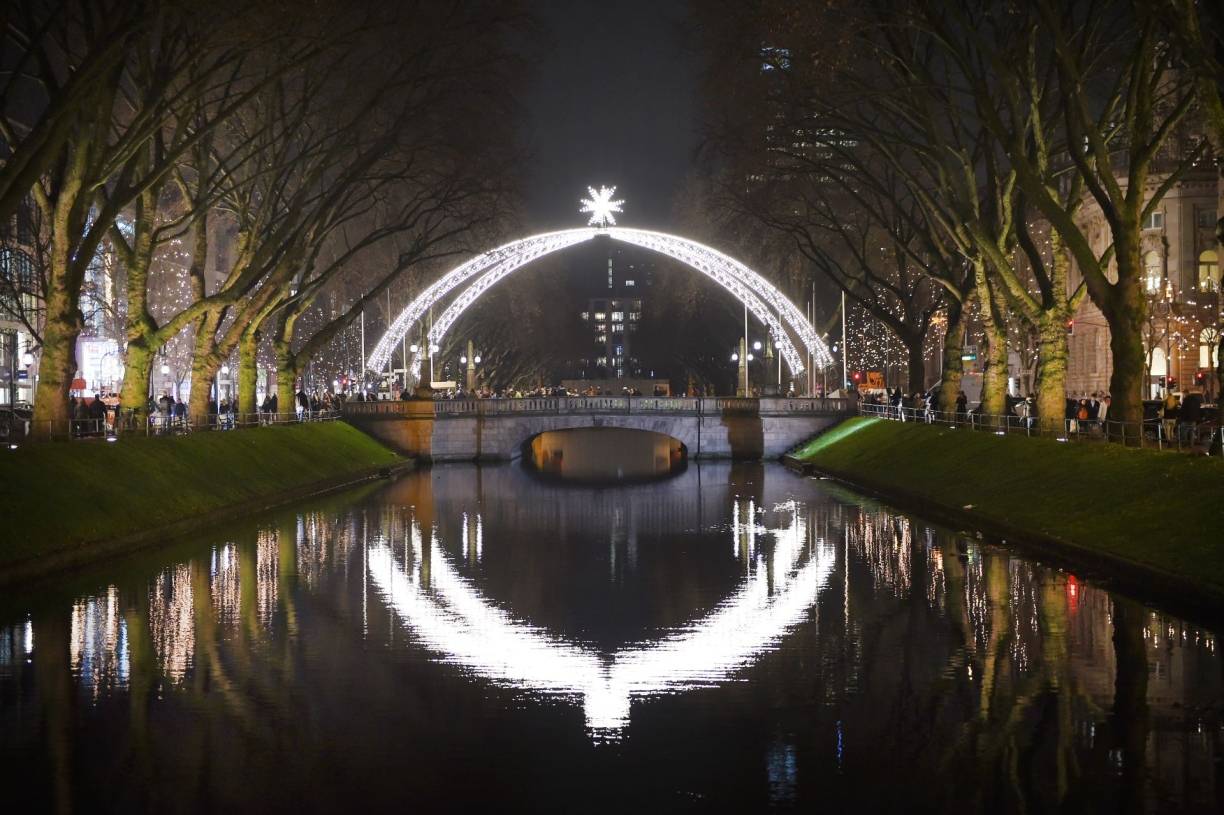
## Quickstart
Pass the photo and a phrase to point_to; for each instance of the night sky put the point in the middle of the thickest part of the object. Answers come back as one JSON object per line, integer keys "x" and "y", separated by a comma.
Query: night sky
{"x": 611, "y": 101}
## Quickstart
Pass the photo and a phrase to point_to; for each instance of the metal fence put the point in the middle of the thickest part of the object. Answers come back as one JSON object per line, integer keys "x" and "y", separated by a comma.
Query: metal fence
{"x": 1155, "y": 434}
{"x": 116, "y": 424}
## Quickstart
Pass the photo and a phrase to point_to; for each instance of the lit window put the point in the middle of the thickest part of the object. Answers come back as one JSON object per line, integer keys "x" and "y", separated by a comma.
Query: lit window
{"x": 1152, "y": 273}
{"x": 600, "y": 316}
{"x": 629, "y": 283}
{"x": 1154, "y": 221}
{"x": 1209, "y": 348}
{"x": 601, "y": 361}
{"x": 634, "y": 316}
{"x": 586, "y": 315}
{"x": 618, "y": 329}
{"x": 620, "y": 351}
{"x": 1209, "y": 271}
{"x": 618, "y": 316}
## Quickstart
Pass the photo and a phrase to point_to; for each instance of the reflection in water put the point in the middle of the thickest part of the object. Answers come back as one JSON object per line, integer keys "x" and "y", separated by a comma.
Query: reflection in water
{"x": 746, "y": 635}
{"x": 468, "y": 629}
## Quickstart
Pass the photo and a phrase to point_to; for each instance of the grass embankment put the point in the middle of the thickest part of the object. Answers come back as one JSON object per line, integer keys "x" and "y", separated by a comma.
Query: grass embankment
{"x": 1163, "y": 512}
{"x": 58, "y": 498}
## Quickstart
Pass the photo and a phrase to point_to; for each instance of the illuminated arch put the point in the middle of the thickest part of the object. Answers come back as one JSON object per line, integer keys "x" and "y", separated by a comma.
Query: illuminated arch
{"x": 760, "y": 297}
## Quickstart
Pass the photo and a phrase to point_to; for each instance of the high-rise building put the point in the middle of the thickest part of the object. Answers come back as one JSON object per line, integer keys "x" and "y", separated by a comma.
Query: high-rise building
{"x": 615, "y": 314}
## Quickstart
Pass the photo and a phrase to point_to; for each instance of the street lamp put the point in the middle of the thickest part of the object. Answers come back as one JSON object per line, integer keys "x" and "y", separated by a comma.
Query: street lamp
{"x": 414, "y": 348}
{"x": 27, "y": 359}
{"x": 756, "y": 346}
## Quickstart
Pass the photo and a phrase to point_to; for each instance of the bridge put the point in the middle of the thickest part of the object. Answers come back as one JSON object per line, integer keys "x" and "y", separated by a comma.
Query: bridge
{"x": 499, "y": 429}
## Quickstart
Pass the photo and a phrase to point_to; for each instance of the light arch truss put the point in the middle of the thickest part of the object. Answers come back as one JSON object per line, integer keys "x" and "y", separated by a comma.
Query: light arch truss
{"x": 761, "y": 298}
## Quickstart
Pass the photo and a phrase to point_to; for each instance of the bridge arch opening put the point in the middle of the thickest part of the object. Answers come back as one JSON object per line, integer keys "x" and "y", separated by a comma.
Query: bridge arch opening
{"x": 604, "y": 454}
{"x": 784, "y": 321}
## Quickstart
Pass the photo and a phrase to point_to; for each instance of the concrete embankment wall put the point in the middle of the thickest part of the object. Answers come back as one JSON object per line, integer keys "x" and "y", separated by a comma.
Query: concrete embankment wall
{"x": 63, "y": 504}
{"x": 1154, "y": 520}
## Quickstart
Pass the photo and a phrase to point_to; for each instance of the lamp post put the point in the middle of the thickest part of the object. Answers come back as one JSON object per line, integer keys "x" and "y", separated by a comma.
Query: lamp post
{"x": 471, "y": 359}
{"x": 412, "y": 349}
{"x": 165, "y": 372}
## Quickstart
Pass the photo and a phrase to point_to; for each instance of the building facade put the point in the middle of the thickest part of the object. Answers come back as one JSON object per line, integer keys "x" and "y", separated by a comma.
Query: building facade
{"x": 615, "y": 315}
{"x": 20, "y": 308}
{"x": 1182, "y": 280}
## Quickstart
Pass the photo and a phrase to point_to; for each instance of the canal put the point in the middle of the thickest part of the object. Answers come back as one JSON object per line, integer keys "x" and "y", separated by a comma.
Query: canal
{"x": 736, "y": 636}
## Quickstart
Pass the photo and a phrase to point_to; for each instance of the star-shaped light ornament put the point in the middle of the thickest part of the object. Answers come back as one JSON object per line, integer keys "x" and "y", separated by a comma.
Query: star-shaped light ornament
{"x": 601, "y": 206}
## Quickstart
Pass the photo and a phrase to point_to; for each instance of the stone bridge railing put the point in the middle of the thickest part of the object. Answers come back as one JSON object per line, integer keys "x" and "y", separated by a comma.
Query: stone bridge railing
{"x": 614, "y": 405}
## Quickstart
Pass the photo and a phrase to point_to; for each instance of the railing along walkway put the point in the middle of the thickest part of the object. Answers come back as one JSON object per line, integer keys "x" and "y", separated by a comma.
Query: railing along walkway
{"x": 1155, "y": 433}
{"x": 123, "y": 424}
{"x": 623, "y": 405}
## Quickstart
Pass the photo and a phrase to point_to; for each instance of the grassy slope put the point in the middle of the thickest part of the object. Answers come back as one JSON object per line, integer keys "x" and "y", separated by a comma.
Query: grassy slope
{"x": 1162, "y": 510}
{"x": 55, "y": 496}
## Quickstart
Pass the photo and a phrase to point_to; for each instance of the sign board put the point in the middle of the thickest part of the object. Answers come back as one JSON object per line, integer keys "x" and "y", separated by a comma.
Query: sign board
{"x": 875, "y": 380}
{"x": 100, "y": 363}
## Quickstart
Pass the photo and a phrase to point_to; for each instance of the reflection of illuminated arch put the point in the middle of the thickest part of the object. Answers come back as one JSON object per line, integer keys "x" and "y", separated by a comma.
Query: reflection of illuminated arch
{"x": 761, "y": 298}
{"x": 455, "y": 620}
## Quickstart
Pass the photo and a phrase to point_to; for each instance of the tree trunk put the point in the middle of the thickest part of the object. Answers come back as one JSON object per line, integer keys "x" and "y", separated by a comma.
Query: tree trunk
{"x": 916, "y": 367}
{"x": 286, "y": 365}
{"x": 248, "y": 372}
{"x": 1052, "y": 368}
{"x": 204, "y": 365}
{"x": 953, "y": 365}
{"x": 58, "y": 365}
{"x": 137, "y": 370}
{"x": 1217, "y": 444}
{"x": 994, "y": 371}
{"x": 1126, "y": 312}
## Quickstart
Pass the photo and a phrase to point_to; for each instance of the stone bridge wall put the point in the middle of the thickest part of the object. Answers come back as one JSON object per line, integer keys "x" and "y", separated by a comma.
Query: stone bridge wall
{"x": 497, "y": 429}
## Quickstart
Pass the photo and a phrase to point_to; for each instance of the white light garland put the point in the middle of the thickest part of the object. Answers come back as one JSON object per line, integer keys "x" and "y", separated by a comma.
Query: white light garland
{"x": 766, "y": 303}
{"x": 601, "y": 206}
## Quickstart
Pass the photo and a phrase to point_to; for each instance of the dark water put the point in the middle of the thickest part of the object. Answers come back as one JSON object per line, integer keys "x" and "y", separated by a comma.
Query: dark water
{"x": 734, "y": 638}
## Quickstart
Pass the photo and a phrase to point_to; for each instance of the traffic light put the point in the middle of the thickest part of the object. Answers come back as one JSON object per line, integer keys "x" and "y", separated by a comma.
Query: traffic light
{"x": 1200, "y": 377}
{"x": 857, "y": 376}
{"x": 1172, "y": 383}
{"x": 1070, "y": 328}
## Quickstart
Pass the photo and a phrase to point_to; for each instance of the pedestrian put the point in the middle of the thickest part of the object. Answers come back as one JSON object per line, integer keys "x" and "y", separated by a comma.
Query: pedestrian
{"x": 962, "y": 406}
{"x": 1189, "y": 417}
{"x": 1169, "y": 411}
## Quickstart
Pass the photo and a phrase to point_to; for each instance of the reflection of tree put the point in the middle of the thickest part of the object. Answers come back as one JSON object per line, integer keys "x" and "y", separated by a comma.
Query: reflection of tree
{"x": 53, "y": 674}
{"x": 1128, "y": 724}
